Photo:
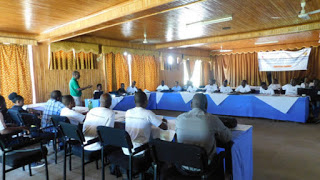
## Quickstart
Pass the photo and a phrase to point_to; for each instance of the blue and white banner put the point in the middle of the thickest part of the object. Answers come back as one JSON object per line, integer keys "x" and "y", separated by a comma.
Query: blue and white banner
{"x": 284, "y": 60}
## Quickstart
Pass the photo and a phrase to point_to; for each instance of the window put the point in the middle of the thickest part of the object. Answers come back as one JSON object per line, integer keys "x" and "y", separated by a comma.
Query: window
{"x": 196, "y": 75}
{"x": 185, "y": 74}
{"x": 129, "y": 59}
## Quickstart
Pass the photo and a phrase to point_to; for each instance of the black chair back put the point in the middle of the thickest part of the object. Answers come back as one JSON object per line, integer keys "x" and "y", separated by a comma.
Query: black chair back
{"x": 56, "y": 119}
{"x": 179, "y": 154}
{"x": 114, "y": 137}
{"x": 16, "y": 117}
{"x": 72, "y": 131}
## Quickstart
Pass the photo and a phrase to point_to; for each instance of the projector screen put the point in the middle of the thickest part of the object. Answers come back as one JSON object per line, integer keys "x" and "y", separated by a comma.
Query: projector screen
{"x": 284, "y": 60}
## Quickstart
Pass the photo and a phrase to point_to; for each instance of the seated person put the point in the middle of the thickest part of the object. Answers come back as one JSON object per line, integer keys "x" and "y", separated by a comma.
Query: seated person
{"x": 176, "y": 88}
{"x": 73, "y": 116}
{"x": 53, "y": 107}
{"x": 162, "y": 87}
{"x": 99, "y": 89}
{"x": 244, "y": 87}
{"x": 132, "y": 89}
{"x": 190, "y": 87}
{"x": 18, "y": 102}
{"x": 200, "y": 128}
{"x": 275, "y": 85}
{"x": 3, "y": 125}
{"x": 121, "y": 90}
{"x": 225, "y": 88}
{"x": 211, "y": 87}
{"x": 292, "y": 88}
{"x": 140, "y": 120}
{"x": 97, "y": 93}
{"x": 99, "y": 116}
{"x": 264, "y": 89}
{"x": 305, "y": 83}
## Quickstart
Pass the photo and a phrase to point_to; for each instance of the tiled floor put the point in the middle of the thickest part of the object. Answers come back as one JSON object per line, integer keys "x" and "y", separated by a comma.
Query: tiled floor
{"x": 281, "y": 150}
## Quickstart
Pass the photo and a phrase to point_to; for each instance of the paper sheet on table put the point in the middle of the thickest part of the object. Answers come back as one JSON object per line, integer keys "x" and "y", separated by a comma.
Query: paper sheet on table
{"x": 241, "y": 127}
{"x": 281, "y": 103}
{"x": 81, "y": 109}
{"x": 120, "y": 116}
{"x": 187, "y": 96}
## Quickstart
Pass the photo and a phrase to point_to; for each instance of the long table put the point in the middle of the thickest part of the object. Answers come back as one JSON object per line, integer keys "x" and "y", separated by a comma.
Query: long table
{"x": 241, "y": 151}
{"x": 234, "y": 105}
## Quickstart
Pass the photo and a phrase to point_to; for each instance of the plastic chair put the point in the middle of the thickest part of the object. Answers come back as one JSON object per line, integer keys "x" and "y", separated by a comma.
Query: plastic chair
{"x": 120, "y": 138}
{"x": 56, "y": 119}
{"x": 185, "y": 155}
{"x": 73, "y": 137}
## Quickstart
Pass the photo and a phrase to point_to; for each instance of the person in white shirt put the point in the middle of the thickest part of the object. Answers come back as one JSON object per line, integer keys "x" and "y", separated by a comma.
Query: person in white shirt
{"x": 73, "y": 116}
{"x": 162, "y": 87}
{"x": 211, "y": 87}
{"x": 132, "y": 89}
{"x": 99, "y": 116}
{"x": 305, "y": 84}
{"x": 225, "y": 88}
{"x": 292, "y": 88}
{"x": 244, "y": 87}
{"x": 190, "y": 87}
{"x": 264, "y": 89}
{"x": 275, "y": 85}
{"x": 177, "y": 87}
{"x": 139, "y": 122}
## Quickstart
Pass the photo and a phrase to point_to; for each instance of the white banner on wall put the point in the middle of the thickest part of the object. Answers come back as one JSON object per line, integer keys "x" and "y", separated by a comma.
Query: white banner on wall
{"x": 284, "y": 60}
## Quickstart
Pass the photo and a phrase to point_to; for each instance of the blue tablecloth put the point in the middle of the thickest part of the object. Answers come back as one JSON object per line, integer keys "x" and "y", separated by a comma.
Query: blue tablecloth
{"x": 242, "y": 155}
{"x": 234, "y": 105}
{"x": 250, "y": 106}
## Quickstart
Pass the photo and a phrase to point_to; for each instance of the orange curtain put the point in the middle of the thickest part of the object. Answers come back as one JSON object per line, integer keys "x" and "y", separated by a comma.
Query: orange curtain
{"x": 138, "y": 71}
{"x": 122, "y": 70}
{"x": 205, "y": 73}
{"x": 151, "y": 67}
{"x": 111, "y": 73}
{"x": 311, "y": 73}
{"x": 238, "y": 67}
{"x": 15, "y": 72}
{"x": 65, "y": 61}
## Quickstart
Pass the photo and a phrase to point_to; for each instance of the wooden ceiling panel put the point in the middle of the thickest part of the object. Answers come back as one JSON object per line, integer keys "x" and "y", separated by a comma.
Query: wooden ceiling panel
{"x": 304, "y": 37}
{"x": 248, "y": 15}
{"x": 36, "y": 16}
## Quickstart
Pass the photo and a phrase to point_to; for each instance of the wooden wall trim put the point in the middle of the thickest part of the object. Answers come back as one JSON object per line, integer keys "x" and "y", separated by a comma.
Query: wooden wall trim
{"x": 247, "y": 35}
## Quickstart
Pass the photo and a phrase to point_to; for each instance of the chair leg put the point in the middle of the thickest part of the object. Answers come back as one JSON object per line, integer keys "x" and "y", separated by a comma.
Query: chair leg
{"x": 130, "y": 168}
{"x": 82, "y": 163}
{"x": 155, "y": 171}
{"x": 46, "y": 164}
{"x": 70, "y": 158}
{"x": 55, "y": 148}
{"x": 23, "y": 168}
{"x": 65, "y": 162}
{"x": 30, "y": 172}
{"x": 3, "y": 166}
{"x": 97, "y": 165}
{"x": 102, "y": 163}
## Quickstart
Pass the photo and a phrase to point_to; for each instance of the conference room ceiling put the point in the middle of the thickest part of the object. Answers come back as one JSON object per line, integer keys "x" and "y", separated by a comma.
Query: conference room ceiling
{"x": 36, "y": 16}
{"x": 274, "y": 41}
{"x": 248, "y": 16}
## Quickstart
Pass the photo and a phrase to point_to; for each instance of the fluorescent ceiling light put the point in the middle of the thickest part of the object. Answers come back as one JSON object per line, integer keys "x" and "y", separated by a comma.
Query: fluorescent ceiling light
{"x": 267, "y": 42}
{"x": 212, "y": 21}
{"x": 192, "y": 45}
{"x": 6, "y": 43}
{"x": 222, "y": 50}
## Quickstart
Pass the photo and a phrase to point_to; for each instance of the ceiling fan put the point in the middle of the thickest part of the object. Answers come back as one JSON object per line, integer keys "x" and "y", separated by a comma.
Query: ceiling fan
{"x": 303, "y": 14}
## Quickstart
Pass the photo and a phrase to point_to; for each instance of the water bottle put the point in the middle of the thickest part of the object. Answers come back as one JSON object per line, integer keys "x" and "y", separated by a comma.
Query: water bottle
{"x": 90, "y": 104}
